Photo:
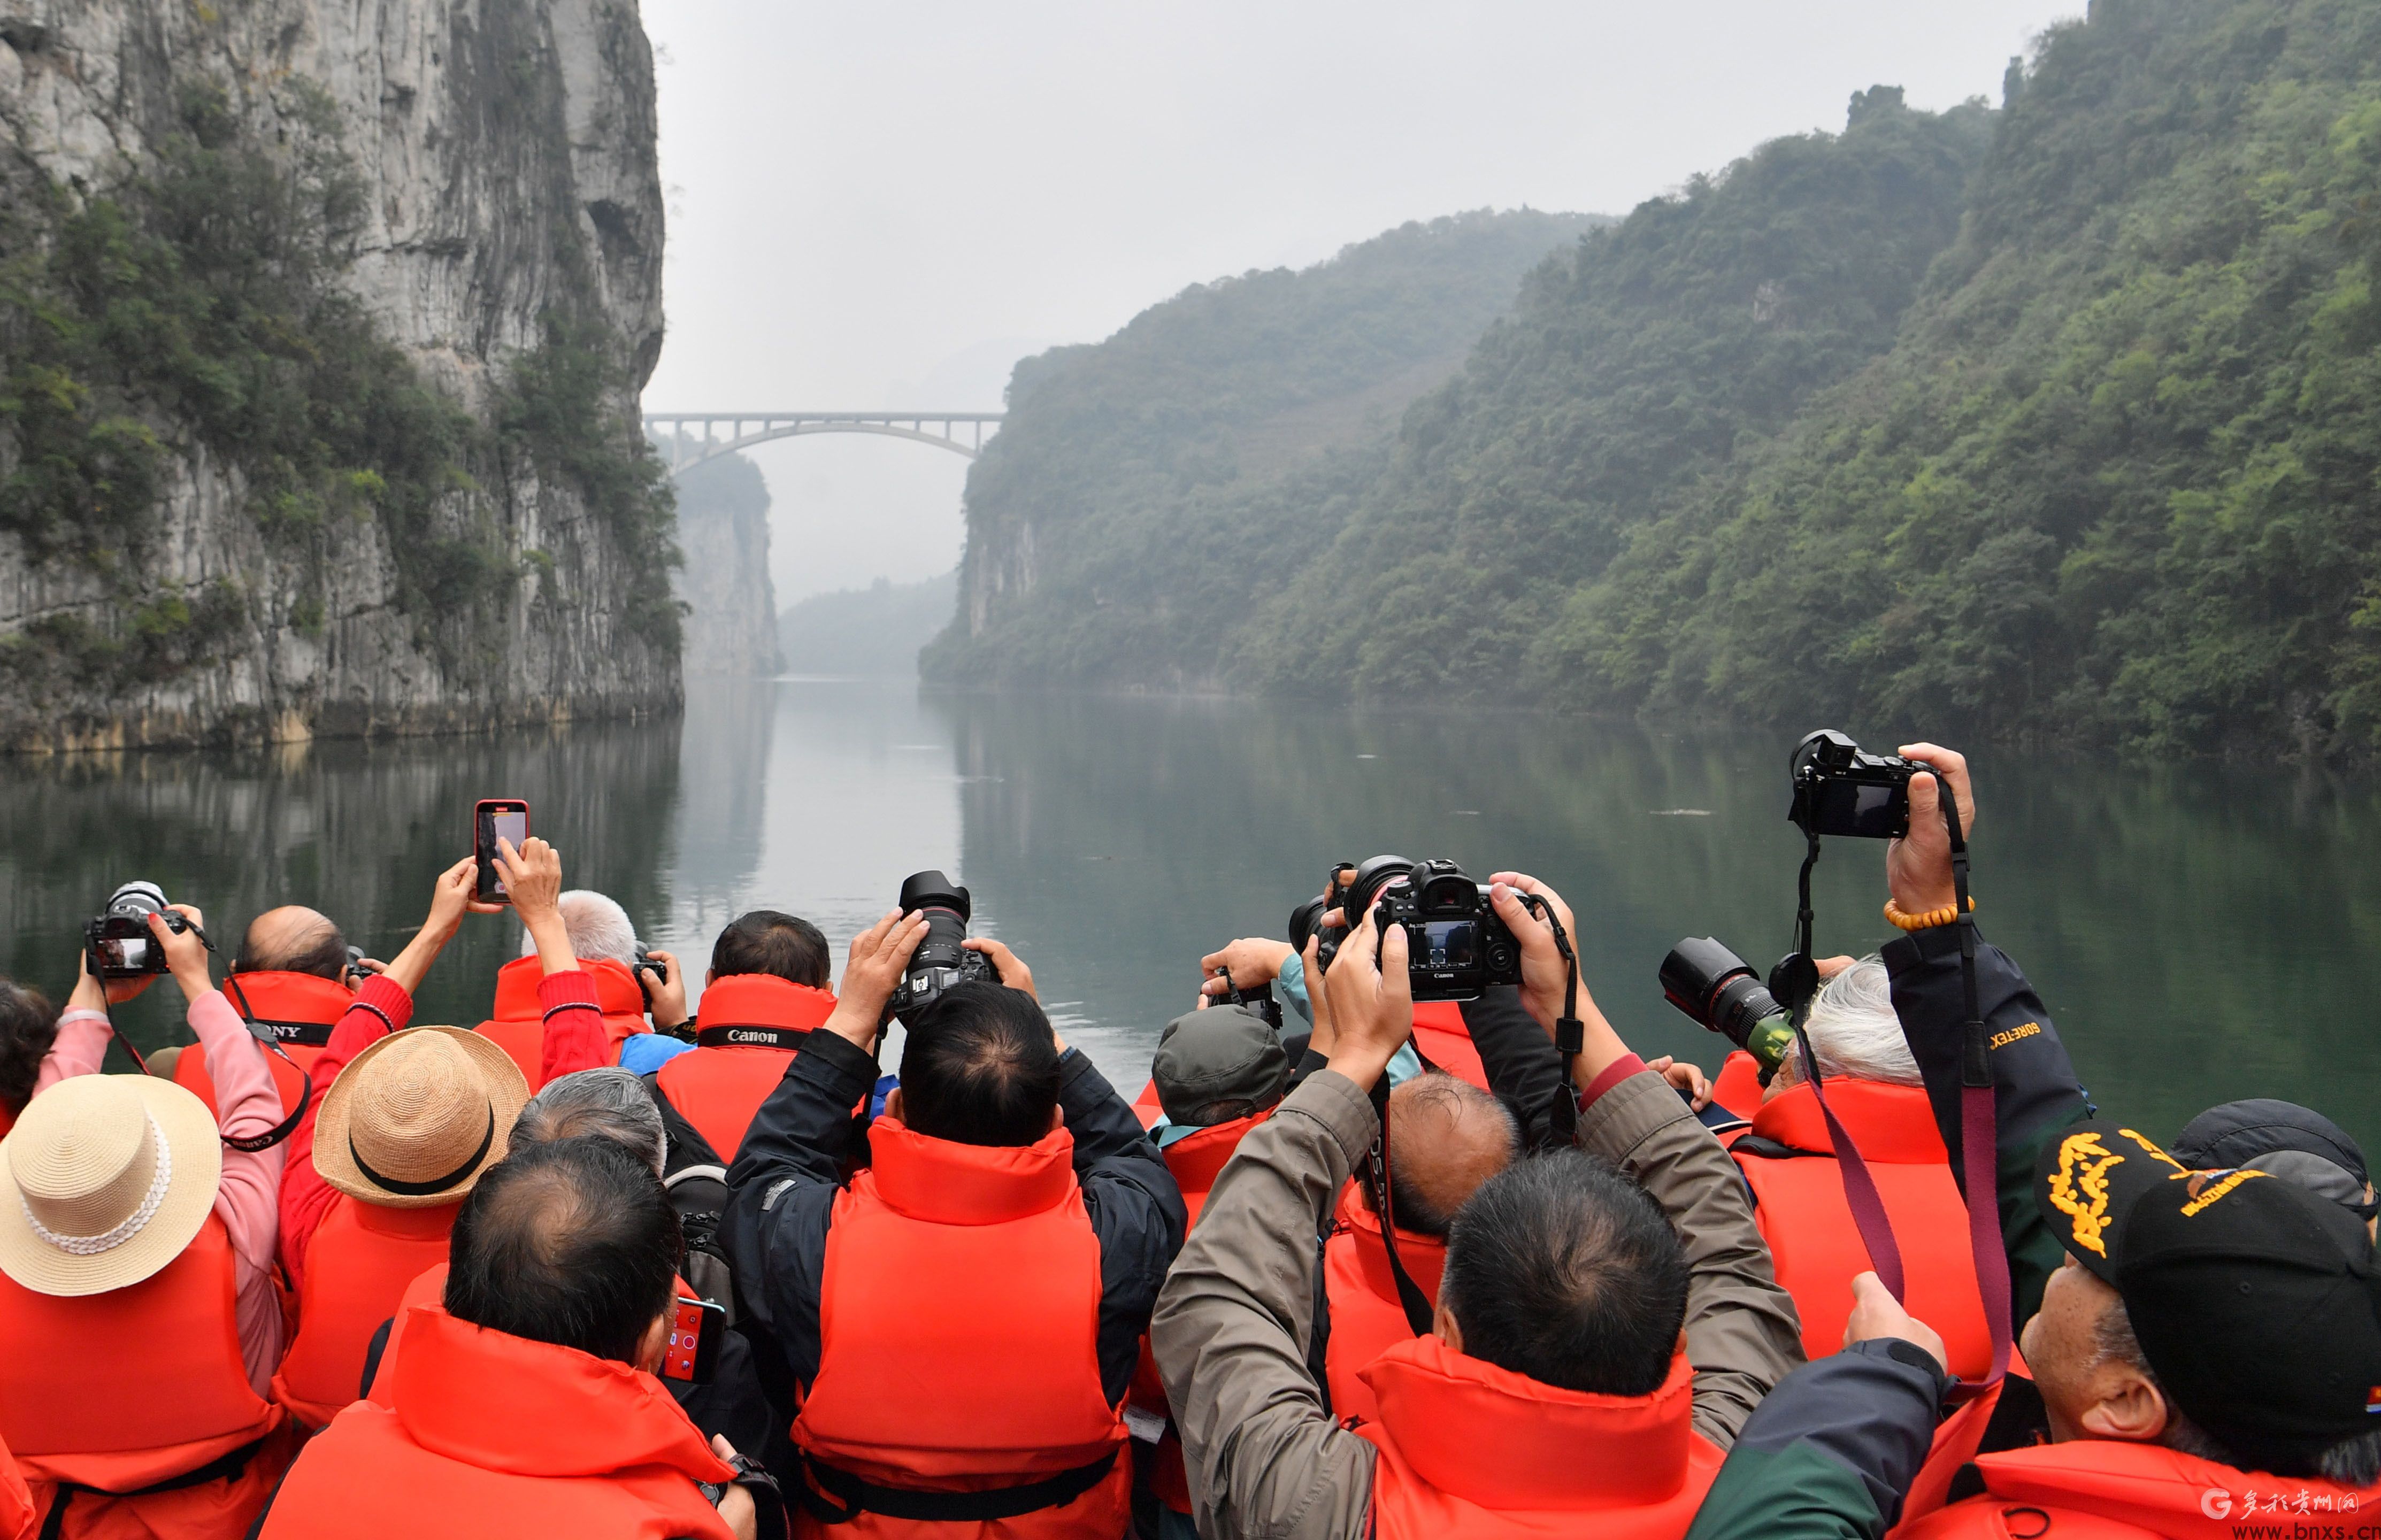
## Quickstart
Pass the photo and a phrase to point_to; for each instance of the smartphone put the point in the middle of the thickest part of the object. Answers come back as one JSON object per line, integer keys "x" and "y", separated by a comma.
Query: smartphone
{"x": 493, "y": 819}
{"x": 694, "y": 1352}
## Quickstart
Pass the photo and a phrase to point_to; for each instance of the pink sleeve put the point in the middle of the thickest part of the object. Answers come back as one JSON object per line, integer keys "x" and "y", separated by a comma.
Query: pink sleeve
{"x": 575, "y": 1038}
{"x": 382, "y": 1007}
{"x": 246, "y": 1104}
{"x": 78, "y": 1049}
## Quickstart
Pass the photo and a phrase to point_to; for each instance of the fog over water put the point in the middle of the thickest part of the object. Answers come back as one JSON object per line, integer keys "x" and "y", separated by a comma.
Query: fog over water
{"x": 2199, "y": 932}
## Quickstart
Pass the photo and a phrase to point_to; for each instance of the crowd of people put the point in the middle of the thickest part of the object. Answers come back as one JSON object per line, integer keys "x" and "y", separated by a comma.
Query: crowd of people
{"x": 604, "y": 1265}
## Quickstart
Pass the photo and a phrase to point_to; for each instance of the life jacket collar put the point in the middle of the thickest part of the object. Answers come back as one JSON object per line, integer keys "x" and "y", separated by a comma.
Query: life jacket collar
{"x": 1505, "y": 1442}
{"x": 615, "y": 989}
{"x": 505, "y": 1403}
{"x": 2164, "y": 1491}
{"x": 943, "y": 1183}
{"x": 1196, "y": 1159}
{"x": 1893, "y": 1124}
{"x": 295, "y": 1008}
{"x": 1423, "y": 1256}
{"x": 759, "y": 1010}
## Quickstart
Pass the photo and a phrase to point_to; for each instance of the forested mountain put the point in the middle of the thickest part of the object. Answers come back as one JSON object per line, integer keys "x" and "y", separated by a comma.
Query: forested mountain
{"x": 2063, "y": 419}
{"x": 1148, "y": 492}
{"x": 2117, "y": 479}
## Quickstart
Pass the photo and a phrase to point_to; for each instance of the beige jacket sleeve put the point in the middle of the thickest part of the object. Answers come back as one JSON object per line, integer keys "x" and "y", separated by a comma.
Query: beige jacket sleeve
{"x": 1742, "y": 1334}
{"x": 1231, "y": 1330}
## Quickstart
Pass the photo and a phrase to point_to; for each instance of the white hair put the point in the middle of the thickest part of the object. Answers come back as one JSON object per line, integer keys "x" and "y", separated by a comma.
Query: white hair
{"x": 1854, "y": 1031}
{"x": 599, "y": 928}
{"x": 607, "y": 1101}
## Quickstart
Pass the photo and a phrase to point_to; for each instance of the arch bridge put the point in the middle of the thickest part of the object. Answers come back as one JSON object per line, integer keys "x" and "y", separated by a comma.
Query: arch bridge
{"x": 686, "y": 439}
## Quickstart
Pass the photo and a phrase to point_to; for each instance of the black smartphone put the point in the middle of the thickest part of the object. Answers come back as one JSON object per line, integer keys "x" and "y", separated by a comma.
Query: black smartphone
{"x": 493, "y": 819}
{"x": 694, "y": 1352}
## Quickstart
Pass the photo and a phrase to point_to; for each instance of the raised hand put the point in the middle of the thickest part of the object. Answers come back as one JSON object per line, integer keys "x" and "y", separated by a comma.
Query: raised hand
{"x": 1876, "y": 1313}
{"x": 185, "y": 949}
{"x": 1543, "y": 973}
{"x": 669, "y": 1005}
{"x": 1918, "y": 866}
{"x": 1370, "y": 1001}
{"x": 872, "y": 970}
{"x": 1250, "y": 961}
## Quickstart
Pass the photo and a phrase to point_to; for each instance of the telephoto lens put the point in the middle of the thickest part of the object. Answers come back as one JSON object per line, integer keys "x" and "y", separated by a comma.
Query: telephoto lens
{"x": 941, "y": 959}
{"x": 1721, "y": 993}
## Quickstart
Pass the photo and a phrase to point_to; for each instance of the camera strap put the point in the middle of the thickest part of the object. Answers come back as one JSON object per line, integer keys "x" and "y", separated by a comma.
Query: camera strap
{"x": 1410, "y": 1299}
{"x": 262, "y": 1032}
{"x": 1979, "y": 1132}
{"x": 1570, "y": 1033}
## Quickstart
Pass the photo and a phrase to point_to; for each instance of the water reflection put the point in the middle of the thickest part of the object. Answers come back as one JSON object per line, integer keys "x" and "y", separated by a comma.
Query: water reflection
{"x": 2200, "y": 932}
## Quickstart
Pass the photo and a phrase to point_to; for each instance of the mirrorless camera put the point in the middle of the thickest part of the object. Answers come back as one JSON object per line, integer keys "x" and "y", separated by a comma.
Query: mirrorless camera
{"x": 1841, "y": 789}
{"x": 940, "y": 961}
{"x": 1456, "y": 947}
{"x": 120, "y": 941}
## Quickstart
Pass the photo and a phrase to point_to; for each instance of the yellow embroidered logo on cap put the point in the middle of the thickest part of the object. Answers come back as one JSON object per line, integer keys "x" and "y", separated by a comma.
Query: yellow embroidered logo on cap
{"x": 2206, "y": 1197}
{"x": 2079, "y": 1189}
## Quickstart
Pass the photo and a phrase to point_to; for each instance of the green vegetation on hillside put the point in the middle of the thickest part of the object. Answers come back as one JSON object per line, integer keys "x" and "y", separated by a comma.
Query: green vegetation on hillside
{"x": 1157, "y": 485}
{"x": 2118, "y": 479}
{"x": 872, "y": 633}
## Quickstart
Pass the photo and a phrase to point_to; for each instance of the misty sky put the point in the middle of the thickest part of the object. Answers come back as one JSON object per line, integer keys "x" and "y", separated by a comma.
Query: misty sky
{"x": 885, "y": 204}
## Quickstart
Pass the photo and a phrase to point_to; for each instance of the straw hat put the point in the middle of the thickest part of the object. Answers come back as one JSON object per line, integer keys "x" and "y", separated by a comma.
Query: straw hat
{"x": 108, "y": 1178}
{"x": 413, "y": 1120}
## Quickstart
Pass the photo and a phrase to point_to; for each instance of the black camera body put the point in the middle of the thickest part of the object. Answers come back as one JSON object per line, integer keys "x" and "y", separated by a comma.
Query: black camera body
{"x": 940, "y": 961}
{"x": 1456, "y": 948}
{"x": 1841, "y": 789}
{"x": 120, "y": 941}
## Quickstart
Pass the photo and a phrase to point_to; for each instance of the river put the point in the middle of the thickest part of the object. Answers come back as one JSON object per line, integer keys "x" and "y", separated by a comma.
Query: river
{"x": 2198, "y": 931}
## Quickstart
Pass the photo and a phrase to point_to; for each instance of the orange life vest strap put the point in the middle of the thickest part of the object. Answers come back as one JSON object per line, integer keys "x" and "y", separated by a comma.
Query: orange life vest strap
{"x": 857, "y": 1495}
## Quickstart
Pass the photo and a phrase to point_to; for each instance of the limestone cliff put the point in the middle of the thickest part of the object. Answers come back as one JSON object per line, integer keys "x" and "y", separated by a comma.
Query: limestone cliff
{"x": 322, "y": 328}
{"x": 723, "y": 527}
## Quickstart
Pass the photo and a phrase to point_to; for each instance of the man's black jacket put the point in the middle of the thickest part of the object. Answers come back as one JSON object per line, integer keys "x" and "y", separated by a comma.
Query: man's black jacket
{"x": 783, "y": 1186}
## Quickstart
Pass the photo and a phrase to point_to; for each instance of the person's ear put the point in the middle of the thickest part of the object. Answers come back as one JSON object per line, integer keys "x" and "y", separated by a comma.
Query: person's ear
{"x": 893, "y": 1105}
{"x": 655, "y": 1343}
{"x": 2125, "y": 1405}
{"x": 709, "y": 975}
{"x": 1444, "y": 1326}
{"x": 1058, "y": 1119}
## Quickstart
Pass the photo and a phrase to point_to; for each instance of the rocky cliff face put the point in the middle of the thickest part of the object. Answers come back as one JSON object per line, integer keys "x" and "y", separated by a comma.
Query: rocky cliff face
{"x": 460, "y": 194}
{"x": 723, "y": 527}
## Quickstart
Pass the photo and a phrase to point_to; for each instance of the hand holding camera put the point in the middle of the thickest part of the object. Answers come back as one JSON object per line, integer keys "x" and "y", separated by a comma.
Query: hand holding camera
{"x": 944, "y": 956}
{"x": 873, "y": 972}
{"x": 1918, "y": 865}
{"x": 1372, "y": 1000}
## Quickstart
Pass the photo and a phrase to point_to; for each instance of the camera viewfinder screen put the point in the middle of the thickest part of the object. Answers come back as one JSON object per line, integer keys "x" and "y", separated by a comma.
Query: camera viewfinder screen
{"x": 1861, "y": 812}
{"x": 1450, "y": 943}
{"x": 131, "y": 952}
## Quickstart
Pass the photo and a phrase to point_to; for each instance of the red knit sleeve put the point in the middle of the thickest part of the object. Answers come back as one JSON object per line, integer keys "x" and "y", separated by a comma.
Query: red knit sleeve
{"x": 575, "y": 1038}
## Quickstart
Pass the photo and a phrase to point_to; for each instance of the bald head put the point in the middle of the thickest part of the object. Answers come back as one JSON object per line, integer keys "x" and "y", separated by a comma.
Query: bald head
{"x": 1447, "y": 1136}
{"x": 292, "y": 939}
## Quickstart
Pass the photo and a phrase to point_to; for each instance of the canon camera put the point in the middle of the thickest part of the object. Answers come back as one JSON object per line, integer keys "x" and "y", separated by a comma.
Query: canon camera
{"x": 940, "y": 961}
{"x": 1719, "y": 992}
{"x": 1456, "y": 947}
{"x": 121, "y": 942}
{"x": 1841, "y": 789}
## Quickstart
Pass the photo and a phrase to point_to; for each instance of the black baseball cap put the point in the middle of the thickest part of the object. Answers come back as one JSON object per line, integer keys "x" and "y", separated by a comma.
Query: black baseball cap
{"x": 1217, "y": 1053}
{"x": 2292, "y": 1141}
{"x": 2256, "y": 1303}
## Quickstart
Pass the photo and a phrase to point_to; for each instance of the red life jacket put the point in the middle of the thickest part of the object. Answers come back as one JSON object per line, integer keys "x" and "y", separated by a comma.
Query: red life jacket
{"x": 428, "y": 1287}
{"x": 1470, "y": 1451}
{"x": 946, "y": 1395}
{"x": 518, "y": 1021}
{"x": 491, "y": 1437}
{"x": 1800, "y": 1208}
{"x": 17, "y": 1519}
{"x": 136, "y": 1387}
{"x": 1440, "y": 1037}
{"x": 745, "y": 1036}
{"x": 300, "y": 1008}
{"x": 1196, "y": 1160}
{"x": 1366, "y": 1317}
{"x": 357, "y": 1268}
{"x": 1738, "y": 1085}
{"x": 2102, "y": 1489}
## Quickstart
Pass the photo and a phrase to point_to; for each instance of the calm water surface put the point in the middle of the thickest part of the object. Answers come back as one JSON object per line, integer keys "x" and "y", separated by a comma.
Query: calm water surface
{"x": 2200, "y": 932}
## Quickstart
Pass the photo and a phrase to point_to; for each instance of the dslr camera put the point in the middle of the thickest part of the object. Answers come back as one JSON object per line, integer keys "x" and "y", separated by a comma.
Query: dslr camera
{"x": 121, "y": 942}
{"x": 1841, "y": 789}
{"x": 1719, "y": 992}
{"x": 940, "y": 962}
{"x": 1456, "y": 947}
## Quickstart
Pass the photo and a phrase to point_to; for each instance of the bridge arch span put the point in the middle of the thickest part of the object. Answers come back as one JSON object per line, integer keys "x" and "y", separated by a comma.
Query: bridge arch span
{"x": 674, "y": 433}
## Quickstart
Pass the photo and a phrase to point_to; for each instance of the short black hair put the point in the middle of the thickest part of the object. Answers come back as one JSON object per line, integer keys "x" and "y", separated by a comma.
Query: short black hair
{"x": 317, "y": 948}
{"x": 1562, "y": 1269}
{"x": 766, "y": 941}
{"x": 573, "y": 1242}
{"x": 980, "y": 1067}
{"x": 28, "y": 1024}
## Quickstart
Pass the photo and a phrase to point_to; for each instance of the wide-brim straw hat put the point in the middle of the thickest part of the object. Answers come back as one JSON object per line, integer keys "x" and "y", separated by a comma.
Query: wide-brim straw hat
{"x": 108, "y": 1178}
{"x": 413, "y": 1120}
